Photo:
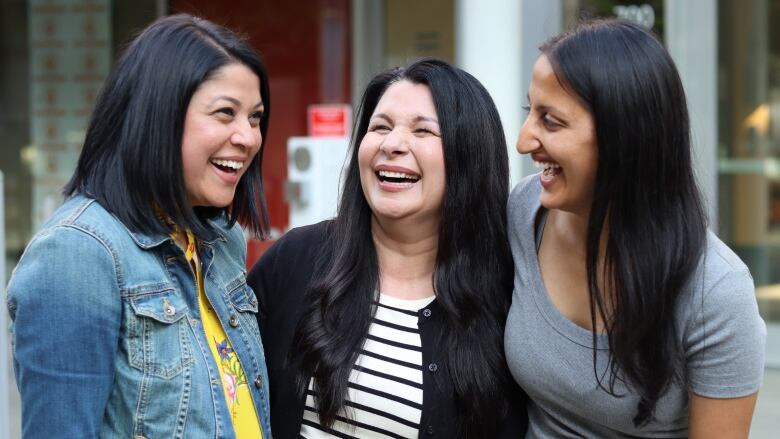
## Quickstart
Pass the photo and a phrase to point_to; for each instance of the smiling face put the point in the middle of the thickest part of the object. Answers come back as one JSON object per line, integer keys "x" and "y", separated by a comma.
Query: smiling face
{"x": 560, "y": 135}
{"x": 401, "y": 158}
{"x": 221, "y": 135}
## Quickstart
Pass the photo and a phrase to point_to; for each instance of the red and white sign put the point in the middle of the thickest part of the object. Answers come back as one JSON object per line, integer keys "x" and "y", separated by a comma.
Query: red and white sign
{"x": 329, "y": 120}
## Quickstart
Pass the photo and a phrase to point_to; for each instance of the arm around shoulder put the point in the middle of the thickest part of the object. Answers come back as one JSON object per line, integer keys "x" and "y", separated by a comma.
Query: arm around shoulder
{"x": 65, "y": 307}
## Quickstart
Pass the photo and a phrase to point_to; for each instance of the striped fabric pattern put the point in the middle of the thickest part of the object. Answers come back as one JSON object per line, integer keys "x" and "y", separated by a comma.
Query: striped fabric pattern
{"x": 385, "y": 393}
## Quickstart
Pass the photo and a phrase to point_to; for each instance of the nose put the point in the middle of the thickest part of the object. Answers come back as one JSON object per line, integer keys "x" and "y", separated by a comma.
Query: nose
{"x": 246, "y": 135}
{"x": 527, "y": 141}
{"x": 395, "y": 143}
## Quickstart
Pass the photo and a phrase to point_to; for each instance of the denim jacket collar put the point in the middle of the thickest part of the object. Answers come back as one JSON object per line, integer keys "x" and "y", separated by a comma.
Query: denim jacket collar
{"x": 150, "y": 240}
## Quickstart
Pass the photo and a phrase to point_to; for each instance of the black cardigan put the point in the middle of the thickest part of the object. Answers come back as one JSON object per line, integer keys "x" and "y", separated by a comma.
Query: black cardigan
{"x": 280, "y": 280}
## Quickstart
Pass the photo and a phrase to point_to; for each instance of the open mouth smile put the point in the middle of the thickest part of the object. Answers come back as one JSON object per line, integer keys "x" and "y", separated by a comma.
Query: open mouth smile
{"x": 229, "y": 166}
{"x": 550, "y": 170}
{"x": 397, "y": 177}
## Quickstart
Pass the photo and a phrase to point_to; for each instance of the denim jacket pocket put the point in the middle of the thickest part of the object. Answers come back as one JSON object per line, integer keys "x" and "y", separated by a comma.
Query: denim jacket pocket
{"x": 241, "y": 296}
{"x": 158, "y": 333}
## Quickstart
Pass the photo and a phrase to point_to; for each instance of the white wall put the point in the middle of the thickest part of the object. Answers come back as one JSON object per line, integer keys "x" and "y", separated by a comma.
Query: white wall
{"x": 497, "y": 41}
{"x": 691, "y": 34}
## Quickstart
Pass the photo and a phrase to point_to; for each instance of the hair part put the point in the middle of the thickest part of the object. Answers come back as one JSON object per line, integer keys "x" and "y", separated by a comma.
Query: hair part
{"x": 131, "y": 161}
{"x": 645, "y": 198}
{"x": 472, "y": 277}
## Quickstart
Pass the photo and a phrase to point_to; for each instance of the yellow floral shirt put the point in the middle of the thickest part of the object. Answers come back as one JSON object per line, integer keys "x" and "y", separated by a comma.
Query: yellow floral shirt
{"x": 234, "y": 381}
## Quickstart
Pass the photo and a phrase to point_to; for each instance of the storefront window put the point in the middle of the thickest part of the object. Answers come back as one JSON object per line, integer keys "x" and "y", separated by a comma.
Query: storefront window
{"x": 416, "y": 29}
{"x": 54, "y": 56}
{"x": 749, "y": 141}
{"x": 648, "y": 13}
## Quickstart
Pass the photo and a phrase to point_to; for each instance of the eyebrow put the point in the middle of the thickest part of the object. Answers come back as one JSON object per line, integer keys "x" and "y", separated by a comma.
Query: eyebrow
{"x": 416, "y": 119}
{"x": 235, "y": 101}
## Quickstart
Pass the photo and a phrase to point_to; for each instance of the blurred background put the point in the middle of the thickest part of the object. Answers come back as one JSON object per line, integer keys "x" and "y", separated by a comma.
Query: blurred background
{"x": 55, "y": 54}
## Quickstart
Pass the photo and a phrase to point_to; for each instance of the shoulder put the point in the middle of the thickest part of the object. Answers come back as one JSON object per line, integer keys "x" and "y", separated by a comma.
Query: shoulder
{"x": 235, "y": 240}
{"x": 78, "y": 221}
{"x": 522, "y": 209}
{"x": 722, "y": 274}
{"x": 308, "y": 239}
{"x": 723, "y": 333}
{"x": 77, "y": 238}
{"x": 295, "y": 252}
{"x": 524, "y": 201}
{"x": 307, "y": 235}
{"x": 720, "y": 259}
{"x": 526, "y": 192}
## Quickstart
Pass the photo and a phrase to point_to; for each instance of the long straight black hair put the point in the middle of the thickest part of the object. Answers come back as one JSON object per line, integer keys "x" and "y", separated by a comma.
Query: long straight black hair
{"x": 473, "y": 271}
{"x": 131, "y": 161}
{"x": 645, "y": 198}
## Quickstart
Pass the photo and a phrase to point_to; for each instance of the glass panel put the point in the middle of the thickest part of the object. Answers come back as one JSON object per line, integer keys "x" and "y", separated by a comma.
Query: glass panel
{"x": 14, "y": 127}
{"x": 415, "y": 29}
{"x": 53, "y": 57}
{"x": 648, "y": 13}
{"x": 749, "y": 141}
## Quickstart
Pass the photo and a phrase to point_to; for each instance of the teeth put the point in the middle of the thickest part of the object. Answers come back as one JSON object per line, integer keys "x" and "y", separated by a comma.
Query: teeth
{"x": 229, "y": 164}
{"x": 391, "y": 174}
{"x": 546, "y": 165}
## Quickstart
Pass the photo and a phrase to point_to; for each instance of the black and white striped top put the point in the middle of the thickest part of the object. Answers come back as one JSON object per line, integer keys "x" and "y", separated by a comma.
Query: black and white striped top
{"x": 386, "y": 386}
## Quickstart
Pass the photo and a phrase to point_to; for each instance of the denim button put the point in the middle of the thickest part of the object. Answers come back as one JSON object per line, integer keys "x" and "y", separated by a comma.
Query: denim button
{"x": 429, "y": 430}
{"x": 426, "y": 312}
{"x": 168, "y": 308}
{"x": 258, "y": 382}
{"x": 233, "y": 320}
{"x": 433, "y": 367}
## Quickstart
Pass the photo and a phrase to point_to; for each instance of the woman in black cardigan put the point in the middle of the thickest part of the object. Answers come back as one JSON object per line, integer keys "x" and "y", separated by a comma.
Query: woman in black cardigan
{"x": 388, "y": 320}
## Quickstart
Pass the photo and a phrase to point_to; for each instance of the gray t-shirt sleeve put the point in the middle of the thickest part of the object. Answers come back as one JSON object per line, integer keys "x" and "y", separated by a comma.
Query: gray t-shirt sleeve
{"x": 725, "y": 336}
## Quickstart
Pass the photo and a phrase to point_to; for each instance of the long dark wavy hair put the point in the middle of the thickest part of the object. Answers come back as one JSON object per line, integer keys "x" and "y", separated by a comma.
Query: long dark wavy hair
{"x": 473, "y": 271}
{"x": 131, "y": 160}
{"x": 645, "y": 198}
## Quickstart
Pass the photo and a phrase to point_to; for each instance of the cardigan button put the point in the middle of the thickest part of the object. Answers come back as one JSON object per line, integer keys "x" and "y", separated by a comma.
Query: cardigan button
{"x": 427, "y": 312}
{"x": 429, "y": 430}
{"x": 258, "y": 382}
{"x": 433, "y": 367}
{"x": 233, "y": 320}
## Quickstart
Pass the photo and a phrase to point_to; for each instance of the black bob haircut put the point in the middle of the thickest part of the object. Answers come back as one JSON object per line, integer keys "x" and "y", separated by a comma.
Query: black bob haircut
{"x": 131, "y": 161}
{"x": 472, "y": 276}
{"x": 645, "y": 197}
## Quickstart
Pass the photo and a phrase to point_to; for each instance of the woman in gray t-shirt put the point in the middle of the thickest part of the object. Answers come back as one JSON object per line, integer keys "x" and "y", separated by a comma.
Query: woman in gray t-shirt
{"x": 628, "y": 318}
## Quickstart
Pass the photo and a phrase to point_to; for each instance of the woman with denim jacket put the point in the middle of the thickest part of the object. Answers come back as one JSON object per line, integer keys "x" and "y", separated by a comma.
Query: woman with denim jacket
{"x": 130, "y": 309}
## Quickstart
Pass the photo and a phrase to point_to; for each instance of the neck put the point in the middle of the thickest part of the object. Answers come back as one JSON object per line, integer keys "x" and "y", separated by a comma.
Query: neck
{"x": 407, "y": 255}
{"x": 571, "y": 232}
{"x": 569, "y": 228}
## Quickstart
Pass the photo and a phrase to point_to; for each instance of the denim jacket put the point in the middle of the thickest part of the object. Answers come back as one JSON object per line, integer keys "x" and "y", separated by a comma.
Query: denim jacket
{"x": 106, "y": 332}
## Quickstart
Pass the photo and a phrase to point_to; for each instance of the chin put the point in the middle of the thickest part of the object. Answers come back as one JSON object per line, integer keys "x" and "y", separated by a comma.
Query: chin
{"x": 217, "y": 202}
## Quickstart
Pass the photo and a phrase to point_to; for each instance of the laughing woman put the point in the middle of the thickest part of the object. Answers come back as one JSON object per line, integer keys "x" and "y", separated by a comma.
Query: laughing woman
{"x": 387, "y": 321}
{"x": 131, "y": 314}
{"x": 629, "y": 318}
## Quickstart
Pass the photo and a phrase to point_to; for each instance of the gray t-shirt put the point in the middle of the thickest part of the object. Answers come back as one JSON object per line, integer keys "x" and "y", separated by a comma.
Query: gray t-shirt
{"x": 552, "y": 358}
